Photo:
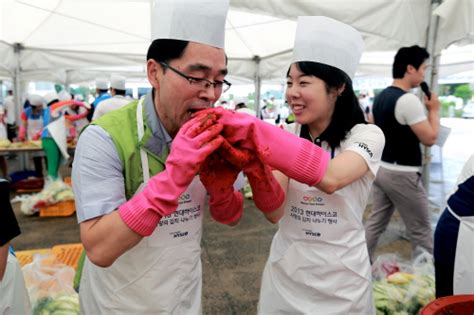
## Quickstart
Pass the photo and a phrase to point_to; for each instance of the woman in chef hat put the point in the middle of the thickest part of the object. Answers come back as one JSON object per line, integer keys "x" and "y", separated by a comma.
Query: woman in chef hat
{"x": 318, "y": 262}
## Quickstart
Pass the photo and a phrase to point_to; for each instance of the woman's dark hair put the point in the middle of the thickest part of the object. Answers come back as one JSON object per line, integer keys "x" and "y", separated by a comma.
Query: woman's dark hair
{"x": 347, "y": 112}
{"x": 165, "y": 50}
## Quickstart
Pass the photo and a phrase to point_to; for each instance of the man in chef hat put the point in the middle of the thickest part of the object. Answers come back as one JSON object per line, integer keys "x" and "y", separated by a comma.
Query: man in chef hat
{"x": 118, "y": 100}
{"x": 101, "y": 89}
{"x": 138, "y": 200}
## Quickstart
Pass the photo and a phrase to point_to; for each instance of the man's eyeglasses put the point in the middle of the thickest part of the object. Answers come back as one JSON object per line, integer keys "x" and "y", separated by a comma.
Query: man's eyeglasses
{"x": 222, "y": 86}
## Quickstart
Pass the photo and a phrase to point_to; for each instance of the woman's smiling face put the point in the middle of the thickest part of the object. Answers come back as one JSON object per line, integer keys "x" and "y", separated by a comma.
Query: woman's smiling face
{"x": 309, "y": 98}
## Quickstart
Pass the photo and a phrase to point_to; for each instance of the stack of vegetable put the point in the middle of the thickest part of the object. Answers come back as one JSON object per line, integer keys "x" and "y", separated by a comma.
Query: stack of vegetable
{"x": 403, "y": 293}
{"x": 49, "y": 285}
{"x": 60, "y": 305}
{"x": 6, "y": 144}
{"x": 401, "y": 289}
{"x": 53, "y": 192}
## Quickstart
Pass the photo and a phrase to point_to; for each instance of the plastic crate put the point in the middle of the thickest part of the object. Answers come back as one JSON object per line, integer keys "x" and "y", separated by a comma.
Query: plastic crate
{"x": 60, "y": 209}
{"x": 68, "y": 253}
{"x": 26, "y": 256}
{"x": 28, "y": 185}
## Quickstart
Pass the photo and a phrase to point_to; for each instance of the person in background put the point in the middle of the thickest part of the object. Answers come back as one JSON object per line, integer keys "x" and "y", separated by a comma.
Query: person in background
{"x": 364, "y": 103}
{"x": 241, "y": 107}
{"x": 224, "y": 104}
{"x": 318, "y": 261}
{"x": 48, "y": 141}
{"x": 118, "y": 100}
{"x": 453, "y": 239}
{"x": 9, "y": 104}
{"x": 26, "y": 104}
{"x": 80, "y": 112}
{"x": 402, "y": 118}
{"x": 31, "y": 127}
{"x": 101, "y": 88}
{"x": 14, "y": 296}
{"x": 3, "y": 136}
{"x": 138, "y": 199}
{"x": 70, "y": 128}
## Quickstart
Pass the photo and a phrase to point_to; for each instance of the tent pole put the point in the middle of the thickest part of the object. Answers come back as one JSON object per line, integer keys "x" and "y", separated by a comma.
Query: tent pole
{"x": 432, "y": 75}
{"x": 17, "y": 79}
{"x": 258, "y": 84}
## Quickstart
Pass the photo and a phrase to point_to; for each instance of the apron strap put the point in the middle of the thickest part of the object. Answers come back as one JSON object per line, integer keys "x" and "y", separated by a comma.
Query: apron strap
{"x": 141, "y": 132}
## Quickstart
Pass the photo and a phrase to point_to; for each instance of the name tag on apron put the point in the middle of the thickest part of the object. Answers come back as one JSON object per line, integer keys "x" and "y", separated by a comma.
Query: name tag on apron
{"x": 313, "y": 215}
{"x": 185, "y": 223}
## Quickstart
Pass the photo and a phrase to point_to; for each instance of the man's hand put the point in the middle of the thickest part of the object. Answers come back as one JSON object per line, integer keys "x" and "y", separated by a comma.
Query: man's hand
{"x": 218, "y": 176}
{"x": 432, "y": 104}
{"x": 297, "y": 158}
{"x": 195, "y": 141}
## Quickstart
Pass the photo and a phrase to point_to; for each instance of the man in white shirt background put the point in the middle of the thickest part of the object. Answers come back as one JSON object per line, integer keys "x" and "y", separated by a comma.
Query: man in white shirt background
{"x": 118, "y": 99}
{"x": 9, "y": 106}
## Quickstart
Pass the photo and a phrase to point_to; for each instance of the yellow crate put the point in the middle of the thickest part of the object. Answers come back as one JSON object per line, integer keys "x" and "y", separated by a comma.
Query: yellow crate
{"x": 60, "y": 209}
{"x": 26, "y": 256}
{"x": 68, "y": 253}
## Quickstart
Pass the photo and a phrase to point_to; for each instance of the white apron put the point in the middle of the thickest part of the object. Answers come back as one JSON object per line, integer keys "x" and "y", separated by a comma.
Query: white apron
{"x": 162, "y": 274}
{"x": 57, "y": 130}
{"x": 35, "y": 126}
{"x": 318, "y": 262}
{"x": 13, "y": 294}
{"x": 463, "y": 277}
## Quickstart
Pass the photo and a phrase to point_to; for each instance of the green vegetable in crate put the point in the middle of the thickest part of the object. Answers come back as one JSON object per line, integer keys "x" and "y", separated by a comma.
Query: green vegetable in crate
{"x": 403, "y": 293}
{"x": 61, "y": 305}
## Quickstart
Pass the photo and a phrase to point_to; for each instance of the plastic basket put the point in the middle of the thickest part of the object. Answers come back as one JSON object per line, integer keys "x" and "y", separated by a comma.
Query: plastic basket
{"x": 60, "y": 209}
{"x": 26, "y": 256}
{"x": 68, "y": 253}
{"x": 28, "y": 185}
{"x": 455, "y": 304}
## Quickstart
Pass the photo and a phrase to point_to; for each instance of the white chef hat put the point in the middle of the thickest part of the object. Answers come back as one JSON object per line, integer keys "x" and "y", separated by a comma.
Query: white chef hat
{"x": 51, "y": 96}
{"x": 64, "y": 96}
{"x": 200, "y": 21}
{"x": 36, "y": 100}
{"x": 117, "y": 82}
{"x": 78, "y": 97}
{"x": 101, "y": 84}
{"x": 325, "y": 40}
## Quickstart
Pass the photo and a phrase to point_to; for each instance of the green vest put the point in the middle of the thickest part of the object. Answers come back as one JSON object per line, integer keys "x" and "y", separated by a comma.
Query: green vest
{"x": 121, "y": 124}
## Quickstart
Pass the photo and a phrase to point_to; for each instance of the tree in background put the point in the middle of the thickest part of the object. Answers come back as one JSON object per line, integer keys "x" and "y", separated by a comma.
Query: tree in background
{"x": 463, "y": 91}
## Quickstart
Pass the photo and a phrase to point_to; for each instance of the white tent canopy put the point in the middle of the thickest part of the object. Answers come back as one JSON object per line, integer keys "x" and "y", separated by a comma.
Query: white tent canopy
{"x": 68, "y": 41}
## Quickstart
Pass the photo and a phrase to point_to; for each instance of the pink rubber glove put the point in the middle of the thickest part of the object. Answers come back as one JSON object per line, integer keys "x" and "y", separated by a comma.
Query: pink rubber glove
{"x": 218, "y": 176}
{"x": 267, "y": 193}
{"x": 195, "y": 141}
{"x": 22, "y": 133}
{"x": 72, "y": 132}
{"x": 296, "y": 157}
{"x": 36, "y": 136}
